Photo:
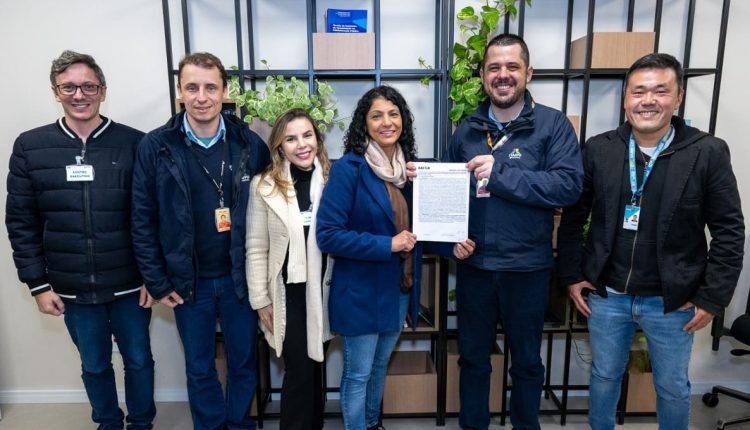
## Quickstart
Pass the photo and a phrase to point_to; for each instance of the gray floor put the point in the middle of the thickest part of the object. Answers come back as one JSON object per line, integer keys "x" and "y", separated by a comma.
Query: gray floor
{"x": 176, "y": 416}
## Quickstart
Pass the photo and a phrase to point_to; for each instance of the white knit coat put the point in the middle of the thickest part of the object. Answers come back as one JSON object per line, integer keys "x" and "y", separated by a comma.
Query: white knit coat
{"x": 275, "y": 224}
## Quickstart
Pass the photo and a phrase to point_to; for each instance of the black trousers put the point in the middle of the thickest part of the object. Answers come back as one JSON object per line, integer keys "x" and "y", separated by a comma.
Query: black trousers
{"x": 302, "y": 397}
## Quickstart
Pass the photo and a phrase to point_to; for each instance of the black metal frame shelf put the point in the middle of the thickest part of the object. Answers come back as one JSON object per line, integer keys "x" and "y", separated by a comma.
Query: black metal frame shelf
{"x": 439, "y": 75}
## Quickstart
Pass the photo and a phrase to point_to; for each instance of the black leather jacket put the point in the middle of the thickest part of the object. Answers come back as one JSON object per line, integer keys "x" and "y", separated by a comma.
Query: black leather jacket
{"x": 700, "y": 191}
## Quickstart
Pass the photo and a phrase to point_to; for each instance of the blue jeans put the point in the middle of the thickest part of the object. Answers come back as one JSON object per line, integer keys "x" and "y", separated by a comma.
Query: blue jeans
{"x": 91, "y": 327}
{"x": 363, "y": 377}
{"x": 612, "y": 324}
{"x": 196, "y": 323}
{"x": 518, "y": 300}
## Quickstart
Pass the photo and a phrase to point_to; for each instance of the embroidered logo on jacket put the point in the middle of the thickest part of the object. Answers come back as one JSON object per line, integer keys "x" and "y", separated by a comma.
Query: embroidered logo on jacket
{"x": 515, "y": 154}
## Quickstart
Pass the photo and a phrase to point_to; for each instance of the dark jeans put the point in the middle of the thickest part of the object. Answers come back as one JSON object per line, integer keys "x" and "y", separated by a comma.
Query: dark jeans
{"x": 196, "y": 323}
{"x": 302, "y": 390}
{"x": 91, "y": 327}
{"x": 518, "y": 300}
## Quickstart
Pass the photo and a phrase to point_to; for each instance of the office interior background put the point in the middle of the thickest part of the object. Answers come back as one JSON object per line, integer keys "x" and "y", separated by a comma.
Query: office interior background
{"x": 39, "y": 363}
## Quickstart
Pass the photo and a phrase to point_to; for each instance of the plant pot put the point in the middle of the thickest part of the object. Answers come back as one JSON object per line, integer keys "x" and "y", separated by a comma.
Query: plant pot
{"x": 262, "y": 129}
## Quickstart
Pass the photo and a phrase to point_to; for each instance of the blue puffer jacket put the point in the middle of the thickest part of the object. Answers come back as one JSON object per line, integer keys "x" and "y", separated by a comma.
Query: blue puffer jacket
{"x": 538, "y": 169}
{"x": 162, "y": 220}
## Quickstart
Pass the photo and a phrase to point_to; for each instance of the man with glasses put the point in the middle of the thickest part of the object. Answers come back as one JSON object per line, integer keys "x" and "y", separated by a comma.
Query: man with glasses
{"x": 68, "y": 220}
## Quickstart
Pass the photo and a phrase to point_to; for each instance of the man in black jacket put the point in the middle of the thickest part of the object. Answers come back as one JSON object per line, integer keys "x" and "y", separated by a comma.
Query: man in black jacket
{"x": 651, "y": 187}
{"x": 68, "y": 220}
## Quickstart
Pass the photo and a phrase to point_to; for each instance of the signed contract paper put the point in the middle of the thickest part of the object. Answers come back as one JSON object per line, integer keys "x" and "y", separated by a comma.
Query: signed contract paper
{"x": 441, "y": 202}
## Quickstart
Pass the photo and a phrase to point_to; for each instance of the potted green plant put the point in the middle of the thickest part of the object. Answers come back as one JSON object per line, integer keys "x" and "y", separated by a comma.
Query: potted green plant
{"x": 477, "y": 28}
{"x": 281, "y": 94}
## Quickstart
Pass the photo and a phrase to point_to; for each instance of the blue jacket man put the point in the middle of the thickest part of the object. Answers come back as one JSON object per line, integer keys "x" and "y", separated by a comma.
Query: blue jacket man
{"x": 526, "y": 162}
{"x": 192, "y": 176}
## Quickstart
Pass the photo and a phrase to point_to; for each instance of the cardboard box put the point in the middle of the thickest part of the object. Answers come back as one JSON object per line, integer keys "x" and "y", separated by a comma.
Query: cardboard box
{"x": 343, "y": 51}
{"x": 411, "y": 383}
{"x": 452, "y": 402}
{"x": 641, "y": 392}
{"x": 612, "y": 50}
{"x": 555, "y": 225}
{"x": 576, "y": 121}
{"x": 429, "y": 299}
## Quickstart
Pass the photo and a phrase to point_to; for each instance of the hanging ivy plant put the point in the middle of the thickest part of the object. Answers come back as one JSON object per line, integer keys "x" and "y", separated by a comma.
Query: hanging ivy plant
{"x": 466, "y": 90}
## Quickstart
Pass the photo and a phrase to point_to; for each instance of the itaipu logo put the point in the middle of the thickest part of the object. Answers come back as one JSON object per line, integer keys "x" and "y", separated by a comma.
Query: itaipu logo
{"x": 515, "y": 154}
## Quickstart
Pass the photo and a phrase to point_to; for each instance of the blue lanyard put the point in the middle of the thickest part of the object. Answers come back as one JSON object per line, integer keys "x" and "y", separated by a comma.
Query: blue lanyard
{"x": 637, "y": 191}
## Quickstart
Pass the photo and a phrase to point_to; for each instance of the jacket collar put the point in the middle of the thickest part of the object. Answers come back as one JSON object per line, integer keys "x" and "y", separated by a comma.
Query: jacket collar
{"x": 481, "y": 121}
{"x": 63, "y": 125}
{"x": 684, "y": 135}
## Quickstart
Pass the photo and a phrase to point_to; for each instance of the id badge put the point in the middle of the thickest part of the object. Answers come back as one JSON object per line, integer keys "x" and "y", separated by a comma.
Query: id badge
{"x": 482, "y": 191}
{"x": 223, "y": 219}
{"x": 79, "y": 172}
{"x": 306, "y": 218}
{"x": 630, "y": 220}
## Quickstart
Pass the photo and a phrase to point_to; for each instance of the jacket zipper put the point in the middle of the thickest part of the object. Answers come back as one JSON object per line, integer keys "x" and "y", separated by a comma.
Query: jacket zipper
{"x": 237, "y": 180}
{"x": 632, "y": 254}
{"x": 167, "y": 153}
{"x": 635, "y": 238}
{"x": 89, "y": 232}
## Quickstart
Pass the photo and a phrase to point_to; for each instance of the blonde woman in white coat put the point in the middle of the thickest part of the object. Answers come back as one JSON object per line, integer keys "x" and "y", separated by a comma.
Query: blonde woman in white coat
{"x": 285, "y": 266}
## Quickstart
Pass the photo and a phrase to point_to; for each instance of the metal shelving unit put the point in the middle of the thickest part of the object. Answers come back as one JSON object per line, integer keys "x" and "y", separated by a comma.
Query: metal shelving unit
{"x": 444, "y": 14}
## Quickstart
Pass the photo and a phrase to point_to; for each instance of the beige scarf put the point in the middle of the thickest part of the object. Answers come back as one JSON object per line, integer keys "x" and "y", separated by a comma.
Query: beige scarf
{"x": 394, "y": 170}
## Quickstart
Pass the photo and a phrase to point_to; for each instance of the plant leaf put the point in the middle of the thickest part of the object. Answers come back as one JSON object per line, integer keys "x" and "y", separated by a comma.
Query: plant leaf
{"x": 460, "y": 50}
{"x": 490, "y": 18}
{"x": 477, "y": 42}
{"x": 466, "y": 14}
{"x": 456, "y": 113}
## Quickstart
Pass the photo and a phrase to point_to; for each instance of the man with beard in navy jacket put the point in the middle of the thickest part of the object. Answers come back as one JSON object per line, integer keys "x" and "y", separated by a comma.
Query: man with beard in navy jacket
{"x": 526, "y": 162}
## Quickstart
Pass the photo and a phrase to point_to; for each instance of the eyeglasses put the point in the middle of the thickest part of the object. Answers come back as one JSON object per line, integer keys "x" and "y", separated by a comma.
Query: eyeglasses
{"x": 70, "y": 89}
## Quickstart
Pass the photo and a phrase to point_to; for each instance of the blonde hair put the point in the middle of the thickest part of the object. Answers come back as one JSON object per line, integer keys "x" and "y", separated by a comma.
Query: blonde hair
{"x": 281, "y": 183}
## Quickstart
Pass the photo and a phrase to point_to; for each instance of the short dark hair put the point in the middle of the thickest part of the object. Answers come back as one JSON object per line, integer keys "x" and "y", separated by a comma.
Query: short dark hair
{"x": 355, "y": 138}
{"x": 507, "y": 39}
{"x": 203, "y": 60}
{"x": 657, "y": 61}
{"x": 67, "y": 59}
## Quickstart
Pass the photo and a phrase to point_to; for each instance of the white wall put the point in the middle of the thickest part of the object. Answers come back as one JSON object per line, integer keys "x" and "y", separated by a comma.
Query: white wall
{"x": 37, "y": 360}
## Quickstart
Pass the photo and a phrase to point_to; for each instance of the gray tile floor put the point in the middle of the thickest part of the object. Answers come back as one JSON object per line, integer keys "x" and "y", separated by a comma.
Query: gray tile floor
{"x": 176, "y": 416}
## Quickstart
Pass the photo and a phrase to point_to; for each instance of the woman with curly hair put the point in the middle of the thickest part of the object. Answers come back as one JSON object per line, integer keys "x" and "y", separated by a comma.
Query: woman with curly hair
{"x": 364, "y": 222}
{"x": 285, "y": 265}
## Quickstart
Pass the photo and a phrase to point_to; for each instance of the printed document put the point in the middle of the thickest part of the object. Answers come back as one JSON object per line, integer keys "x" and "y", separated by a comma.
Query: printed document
{"x": 441, "y": 202}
